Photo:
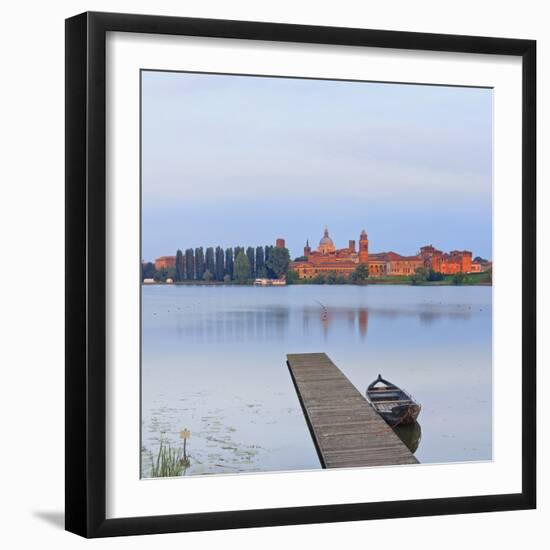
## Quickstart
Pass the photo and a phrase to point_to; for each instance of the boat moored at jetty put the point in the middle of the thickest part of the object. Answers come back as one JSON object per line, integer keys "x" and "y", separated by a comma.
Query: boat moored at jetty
{"x": 392, "y": 403}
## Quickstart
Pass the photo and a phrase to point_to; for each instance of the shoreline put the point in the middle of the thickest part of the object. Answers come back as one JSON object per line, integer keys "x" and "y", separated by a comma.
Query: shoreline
{"x": 370, "y": 283}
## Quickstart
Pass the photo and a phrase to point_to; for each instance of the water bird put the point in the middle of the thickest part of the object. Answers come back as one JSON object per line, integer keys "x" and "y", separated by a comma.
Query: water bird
{"x": 325, "y": 310}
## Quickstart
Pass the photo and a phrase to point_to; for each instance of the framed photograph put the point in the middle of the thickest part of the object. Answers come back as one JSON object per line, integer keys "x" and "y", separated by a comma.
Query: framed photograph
{"x": 300, "y": 281}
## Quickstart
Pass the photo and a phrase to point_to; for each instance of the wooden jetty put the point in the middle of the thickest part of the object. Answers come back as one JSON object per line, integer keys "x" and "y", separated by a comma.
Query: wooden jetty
{"x": 346, "y": 430}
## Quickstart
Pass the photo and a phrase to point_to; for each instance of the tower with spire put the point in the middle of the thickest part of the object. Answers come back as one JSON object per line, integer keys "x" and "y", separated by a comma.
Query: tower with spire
{"x": 363, "y": 247}
{"x": 307, "y": 250}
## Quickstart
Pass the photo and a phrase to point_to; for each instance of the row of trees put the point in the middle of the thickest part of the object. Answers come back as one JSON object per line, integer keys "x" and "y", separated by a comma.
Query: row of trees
{"x": 218, "y": 264}
{"x": 429, "y": 275}
{"x": 242, "y": 265}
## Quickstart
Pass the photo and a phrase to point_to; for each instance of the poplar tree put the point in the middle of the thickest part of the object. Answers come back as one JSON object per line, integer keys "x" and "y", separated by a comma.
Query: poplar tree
{"x": 242, "y": 268}
{"x": 250, "y": 256}
{"x": 220, "y": 267}
{"x": 180, "y": 266}
{"x": 260, "y": 262}
{"x": 210, "y": 260}
{"x": 270, "y": 273}
{"x": 229, "y": 262}
{"x": 190, "y": 264}
{"x": 199, "y": 263}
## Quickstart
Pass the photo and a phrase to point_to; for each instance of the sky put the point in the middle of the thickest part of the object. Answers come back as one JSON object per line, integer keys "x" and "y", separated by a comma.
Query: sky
{"x": 234, "y": 160}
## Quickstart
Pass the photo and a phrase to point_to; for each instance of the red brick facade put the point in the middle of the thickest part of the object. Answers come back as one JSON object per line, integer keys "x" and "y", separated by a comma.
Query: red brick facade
{"x": 343, "y": 261}
{"x": 456, "y": 261}
{"x": 165, "y": 262}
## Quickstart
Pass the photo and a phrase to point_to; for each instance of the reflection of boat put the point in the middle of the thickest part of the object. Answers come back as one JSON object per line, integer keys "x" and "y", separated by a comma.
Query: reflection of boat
{"x": 393, "y": 404}
{"x": 410, "y": 434}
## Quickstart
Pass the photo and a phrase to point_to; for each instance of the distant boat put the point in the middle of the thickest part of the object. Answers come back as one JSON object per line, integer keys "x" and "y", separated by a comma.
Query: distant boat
{"x": 393, "y": 404}
{"x": 269, "y": 282}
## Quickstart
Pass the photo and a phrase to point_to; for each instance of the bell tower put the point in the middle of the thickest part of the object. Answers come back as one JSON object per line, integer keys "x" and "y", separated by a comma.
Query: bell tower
{"x": 363, "y": 248}
{"x": 307, "y": 249}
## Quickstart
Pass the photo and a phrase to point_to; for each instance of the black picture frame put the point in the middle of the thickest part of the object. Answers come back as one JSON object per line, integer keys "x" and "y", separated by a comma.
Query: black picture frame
{"x": 86, "y": 279}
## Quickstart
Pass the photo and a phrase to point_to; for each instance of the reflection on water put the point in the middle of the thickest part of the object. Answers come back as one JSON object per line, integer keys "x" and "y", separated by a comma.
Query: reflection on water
{"x": 410, "y": 434}
{"x": 213, "y": 361}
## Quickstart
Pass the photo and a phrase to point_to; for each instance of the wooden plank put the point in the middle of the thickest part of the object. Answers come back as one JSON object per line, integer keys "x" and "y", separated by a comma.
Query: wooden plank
{"x": 346, "y": 430}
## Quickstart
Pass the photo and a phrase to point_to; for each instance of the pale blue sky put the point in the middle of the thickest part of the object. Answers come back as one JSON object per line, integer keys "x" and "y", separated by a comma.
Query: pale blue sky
{"x": 240, "y": 160}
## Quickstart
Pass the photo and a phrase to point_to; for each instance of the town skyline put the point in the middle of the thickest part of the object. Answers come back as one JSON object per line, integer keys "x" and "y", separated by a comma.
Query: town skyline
{"x": 312, "y": 242}
{"x": 349, "y": 264}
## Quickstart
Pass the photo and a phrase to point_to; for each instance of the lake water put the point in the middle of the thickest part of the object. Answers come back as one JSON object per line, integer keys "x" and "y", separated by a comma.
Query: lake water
{"x": 213, "y": 362}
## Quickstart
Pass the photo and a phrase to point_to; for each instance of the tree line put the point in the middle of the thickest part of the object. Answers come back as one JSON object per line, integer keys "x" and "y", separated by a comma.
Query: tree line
{"x": 224, "y": 265}
{"x": 423, "y": 275}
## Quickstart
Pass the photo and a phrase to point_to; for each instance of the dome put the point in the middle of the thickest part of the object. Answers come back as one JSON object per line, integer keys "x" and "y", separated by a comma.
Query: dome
{"x": 326, "y": 244}
{"x": 326, "y": 239}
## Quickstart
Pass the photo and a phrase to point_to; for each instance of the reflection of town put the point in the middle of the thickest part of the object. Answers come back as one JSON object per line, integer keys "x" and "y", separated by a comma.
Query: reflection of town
{"x": 275, "y": 322}
{"x": 355, "y": 318}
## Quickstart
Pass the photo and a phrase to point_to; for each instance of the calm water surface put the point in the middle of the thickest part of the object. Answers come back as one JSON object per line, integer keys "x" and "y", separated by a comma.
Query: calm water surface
{"x": 213, "y": 362}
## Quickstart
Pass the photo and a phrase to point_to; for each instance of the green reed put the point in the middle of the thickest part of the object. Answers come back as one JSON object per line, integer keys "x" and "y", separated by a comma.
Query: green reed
{"x": 170, "y": 461}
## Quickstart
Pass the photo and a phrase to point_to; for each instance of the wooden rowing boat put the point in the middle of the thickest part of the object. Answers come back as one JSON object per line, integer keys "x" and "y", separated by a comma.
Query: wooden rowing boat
{"x": 392, "y": 403}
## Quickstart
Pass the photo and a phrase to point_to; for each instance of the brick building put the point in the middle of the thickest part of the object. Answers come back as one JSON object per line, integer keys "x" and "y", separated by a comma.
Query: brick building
{"x": 343, "y": 261}
{"x": 165, "y": 262}
{"x": 456, "y": 261}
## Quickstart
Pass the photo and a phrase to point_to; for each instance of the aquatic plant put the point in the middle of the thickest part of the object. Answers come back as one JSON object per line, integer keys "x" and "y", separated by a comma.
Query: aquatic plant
{"x": 170, "y": 461}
